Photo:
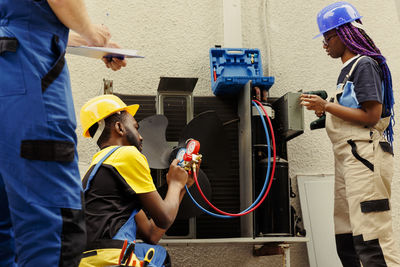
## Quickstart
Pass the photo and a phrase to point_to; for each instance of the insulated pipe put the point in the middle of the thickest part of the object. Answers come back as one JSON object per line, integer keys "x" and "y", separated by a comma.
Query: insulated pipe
{"x": 232, "y": 23}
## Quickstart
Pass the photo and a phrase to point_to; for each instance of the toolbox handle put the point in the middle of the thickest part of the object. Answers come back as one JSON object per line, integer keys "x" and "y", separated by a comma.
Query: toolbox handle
{"x": 234, "y": 51}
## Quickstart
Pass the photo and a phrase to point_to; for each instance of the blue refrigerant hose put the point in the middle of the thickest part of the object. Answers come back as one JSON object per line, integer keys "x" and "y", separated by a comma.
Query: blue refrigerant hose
{"x": 266, "y": 177}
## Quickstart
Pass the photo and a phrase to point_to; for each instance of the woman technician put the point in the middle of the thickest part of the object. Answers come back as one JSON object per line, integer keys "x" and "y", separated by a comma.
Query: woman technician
{"x": 359, "y": 120}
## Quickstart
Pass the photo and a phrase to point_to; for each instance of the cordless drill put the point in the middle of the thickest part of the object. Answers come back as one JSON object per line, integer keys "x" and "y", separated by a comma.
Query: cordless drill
{"x": 320, "y": 122}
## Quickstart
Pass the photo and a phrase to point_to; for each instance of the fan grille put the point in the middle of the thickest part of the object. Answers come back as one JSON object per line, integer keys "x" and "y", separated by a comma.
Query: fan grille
{"x": 225, "y": 190}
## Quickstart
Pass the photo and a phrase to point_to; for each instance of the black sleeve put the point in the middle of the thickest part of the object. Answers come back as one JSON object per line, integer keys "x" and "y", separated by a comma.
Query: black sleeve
{"x": 367, "y": 81}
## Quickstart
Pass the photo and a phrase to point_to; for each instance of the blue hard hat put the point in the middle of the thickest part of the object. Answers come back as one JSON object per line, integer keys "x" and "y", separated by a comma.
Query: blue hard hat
{"x": 334, "y": 15}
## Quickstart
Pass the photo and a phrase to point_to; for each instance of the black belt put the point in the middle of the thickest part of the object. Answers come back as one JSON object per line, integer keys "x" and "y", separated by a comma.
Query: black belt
{"x": 105, "y": 243}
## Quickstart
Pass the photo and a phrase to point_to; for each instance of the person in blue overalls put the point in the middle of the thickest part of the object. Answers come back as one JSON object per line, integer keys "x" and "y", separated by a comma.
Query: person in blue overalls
{"x": 118, "y": 188}
{"x": 359, "y": 120}
{"x": 41, "y": 218}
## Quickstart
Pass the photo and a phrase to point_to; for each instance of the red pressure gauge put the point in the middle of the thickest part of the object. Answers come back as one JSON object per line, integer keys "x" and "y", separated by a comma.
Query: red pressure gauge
{"x": 193, "y": 147}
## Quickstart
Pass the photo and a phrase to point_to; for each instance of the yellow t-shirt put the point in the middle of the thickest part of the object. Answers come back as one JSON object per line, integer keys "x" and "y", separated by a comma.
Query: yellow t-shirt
{"x": 131, "y": 165}
{"x": 113, "y": 192}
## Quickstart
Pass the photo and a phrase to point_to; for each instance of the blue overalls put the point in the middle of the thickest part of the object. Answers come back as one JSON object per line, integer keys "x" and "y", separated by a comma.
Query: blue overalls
{"x": 41, "y": 218}
{"x": 126, "y": 232}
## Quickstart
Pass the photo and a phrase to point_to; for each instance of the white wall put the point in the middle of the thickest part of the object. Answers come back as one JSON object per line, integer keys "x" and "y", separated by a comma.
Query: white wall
{"x": 175, "y": 37}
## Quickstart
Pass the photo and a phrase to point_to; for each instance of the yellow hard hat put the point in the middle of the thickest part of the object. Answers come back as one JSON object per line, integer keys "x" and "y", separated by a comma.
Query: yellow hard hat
{"x": 101, "y": 107}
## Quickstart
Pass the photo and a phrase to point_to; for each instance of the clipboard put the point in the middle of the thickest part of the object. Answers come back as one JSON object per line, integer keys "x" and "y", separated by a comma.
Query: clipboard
{"x": 101, "y": 52}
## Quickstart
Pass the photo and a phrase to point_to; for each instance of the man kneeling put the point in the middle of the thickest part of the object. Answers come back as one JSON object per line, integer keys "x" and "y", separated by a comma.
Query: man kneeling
{"x": 118, "y": 186}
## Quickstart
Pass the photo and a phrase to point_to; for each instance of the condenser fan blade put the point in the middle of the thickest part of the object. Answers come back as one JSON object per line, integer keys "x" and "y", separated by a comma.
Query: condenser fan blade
{"x": 155, "y": 146}
{"x": 188, "y": 209}
{"x": 208, "y": 129}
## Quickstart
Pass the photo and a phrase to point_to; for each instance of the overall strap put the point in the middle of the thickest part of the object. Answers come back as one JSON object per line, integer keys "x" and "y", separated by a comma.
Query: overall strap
{"x": 128, "y": 230}
{"x": 96, "y": 168}
{"x": 351, "y": 71}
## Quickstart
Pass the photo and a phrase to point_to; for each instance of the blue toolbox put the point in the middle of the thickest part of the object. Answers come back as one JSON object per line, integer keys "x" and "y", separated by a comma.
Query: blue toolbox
{"x": 232, "y": 68}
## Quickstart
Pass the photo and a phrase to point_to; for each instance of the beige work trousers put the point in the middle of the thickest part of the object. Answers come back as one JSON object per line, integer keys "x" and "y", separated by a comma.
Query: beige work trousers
{"x": 363, "y": 174}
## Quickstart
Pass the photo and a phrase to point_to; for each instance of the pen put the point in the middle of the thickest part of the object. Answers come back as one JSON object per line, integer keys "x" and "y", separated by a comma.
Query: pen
{"x": 110, "y": 57}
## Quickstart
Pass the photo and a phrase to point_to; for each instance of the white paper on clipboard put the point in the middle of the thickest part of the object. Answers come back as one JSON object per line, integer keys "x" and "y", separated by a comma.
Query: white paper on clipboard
{"x": 100, "y": 52}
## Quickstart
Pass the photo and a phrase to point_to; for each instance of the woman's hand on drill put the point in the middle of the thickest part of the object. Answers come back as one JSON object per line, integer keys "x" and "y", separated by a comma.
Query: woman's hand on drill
{"x": 314, "y": 102}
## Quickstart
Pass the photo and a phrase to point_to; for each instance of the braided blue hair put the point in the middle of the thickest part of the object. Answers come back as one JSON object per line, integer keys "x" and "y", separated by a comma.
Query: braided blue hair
{"x": 358, "y": 42}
